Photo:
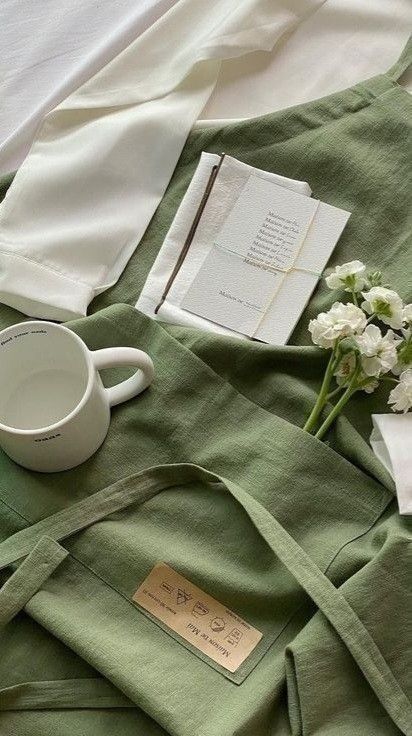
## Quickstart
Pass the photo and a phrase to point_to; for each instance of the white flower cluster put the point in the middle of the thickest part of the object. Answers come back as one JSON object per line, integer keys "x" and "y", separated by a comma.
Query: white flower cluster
{"x": 342, "y": 320}
{"x": 385, "y": 304}
{"x": 350, "y": 277}
{"x": 361, "y": 347}
{"x": 401, "y": 395}
{"x": 378, "y": 352}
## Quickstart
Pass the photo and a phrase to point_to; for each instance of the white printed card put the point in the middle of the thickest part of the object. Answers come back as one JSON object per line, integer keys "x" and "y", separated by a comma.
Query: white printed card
{"x": 265, "y": 261}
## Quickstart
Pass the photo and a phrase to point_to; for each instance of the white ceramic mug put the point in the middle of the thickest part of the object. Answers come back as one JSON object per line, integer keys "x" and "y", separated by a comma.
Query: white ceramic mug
{"x": 54, "y": 409}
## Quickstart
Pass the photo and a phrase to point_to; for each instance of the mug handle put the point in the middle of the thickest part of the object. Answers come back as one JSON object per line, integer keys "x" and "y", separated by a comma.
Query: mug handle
{"x": 115, "y": 357}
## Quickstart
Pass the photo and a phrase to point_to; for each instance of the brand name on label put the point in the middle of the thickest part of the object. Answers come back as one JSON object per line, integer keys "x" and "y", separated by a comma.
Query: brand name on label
{"x": 211, "y": 642}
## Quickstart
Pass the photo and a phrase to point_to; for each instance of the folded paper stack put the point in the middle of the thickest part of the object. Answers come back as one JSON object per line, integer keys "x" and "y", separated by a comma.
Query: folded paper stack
{"x": 243, "y": 254}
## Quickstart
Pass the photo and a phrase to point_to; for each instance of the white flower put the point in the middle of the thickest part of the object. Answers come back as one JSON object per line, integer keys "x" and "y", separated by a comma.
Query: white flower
{"x": 401, "y": 395}
{"x": 407, "y": 314}
{"x": 345, "y": 368}
{"x": 370, "y": 385}
{"x": 342, "y": 320}
{"x": 386, "y": 304}
{"x": 350, "y": 276}
{"x": 378, "y": 352}
{"x": 404, "y": 352}
{"x": 344, "y": 372}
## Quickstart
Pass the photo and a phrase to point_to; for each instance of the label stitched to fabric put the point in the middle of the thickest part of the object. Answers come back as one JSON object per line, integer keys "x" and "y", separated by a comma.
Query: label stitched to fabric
{"x": 197, "y": 617}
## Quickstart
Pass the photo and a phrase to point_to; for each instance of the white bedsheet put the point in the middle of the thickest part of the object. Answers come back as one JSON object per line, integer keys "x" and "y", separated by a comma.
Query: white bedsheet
{"x": 342, "y": 43}
{"x": 50, "y": 48}
{"x": 83, "y": 197}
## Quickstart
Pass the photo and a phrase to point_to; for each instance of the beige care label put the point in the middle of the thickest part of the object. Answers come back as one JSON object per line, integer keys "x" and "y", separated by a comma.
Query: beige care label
{"x": 197, "y": 617}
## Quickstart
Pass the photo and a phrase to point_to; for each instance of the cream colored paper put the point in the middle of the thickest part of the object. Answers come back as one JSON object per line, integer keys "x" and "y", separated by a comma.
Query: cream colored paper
{"x": 265, "y": 261}
{"x": 232, "y": 177}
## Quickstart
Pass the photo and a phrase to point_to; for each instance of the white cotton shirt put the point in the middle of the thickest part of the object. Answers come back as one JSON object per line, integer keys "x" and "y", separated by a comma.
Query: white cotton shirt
{"x": 102, "y": 159}
{"x": 49, "y": 49}
{"x": 342, "y": 43}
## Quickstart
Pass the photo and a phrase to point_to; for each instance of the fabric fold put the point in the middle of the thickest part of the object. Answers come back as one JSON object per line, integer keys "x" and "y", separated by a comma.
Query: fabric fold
{"x": 41, "y": 562}
{"x": 74, "y": 45}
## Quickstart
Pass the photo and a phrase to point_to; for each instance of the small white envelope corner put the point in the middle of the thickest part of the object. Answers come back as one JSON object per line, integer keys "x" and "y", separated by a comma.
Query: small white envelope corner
{"x": 391, "y": 441}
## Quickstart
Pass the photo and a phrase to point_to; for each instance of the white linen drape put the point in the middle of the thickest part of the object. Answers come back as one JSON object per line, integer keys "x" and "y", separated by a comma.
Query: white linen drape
{"x": 342, "y": 43}
{"x": 102, "y": 159}
{"x": 49, "y": 49}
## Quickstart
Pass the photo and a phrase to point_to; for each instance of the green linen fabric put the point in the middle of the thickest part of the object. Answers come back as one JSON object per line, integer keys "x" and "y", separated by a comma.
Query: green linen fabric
{"x": 314, "y": 555}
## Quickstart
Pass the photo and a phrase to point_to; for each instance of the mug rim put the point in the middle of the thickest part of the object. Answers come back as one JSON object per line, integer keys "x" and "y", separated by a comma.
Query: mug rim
{"x": 87, "y": 391}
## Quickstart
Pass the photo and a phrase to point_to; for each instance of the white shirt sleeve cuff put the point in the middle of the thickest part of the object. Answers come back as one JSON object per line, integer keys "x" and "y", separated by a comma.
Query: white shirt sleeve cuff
{"x": 50, "y": 294}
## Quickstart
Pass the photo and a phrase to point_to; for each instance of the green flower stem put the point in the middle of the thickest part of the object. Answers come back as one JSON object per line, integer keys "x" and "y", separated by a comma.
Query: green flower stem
{"x": 323, "y": 394}
{"x": 355, "y": 298}
{"x": 351, "y": 389}
{"x": 335, "y": 392}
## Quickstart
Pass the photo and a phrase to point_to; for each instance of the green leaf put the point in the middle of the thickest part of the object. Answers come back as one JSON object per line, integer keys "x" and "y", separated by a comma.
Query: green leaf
{"x": 405, "y": 352}
{"x": 375, "y": 279}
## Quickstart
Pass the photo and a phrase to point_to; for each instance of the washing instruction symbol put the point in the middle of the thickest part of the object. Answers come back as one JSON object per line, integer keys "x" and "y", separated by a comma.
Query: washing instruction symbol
{"x": 234, "y": 637}
{"x": 167, "y": 587}
{"x": 182, "y": 596}
{"x": 199, "y": 609}
{"x": 217, "y": 624}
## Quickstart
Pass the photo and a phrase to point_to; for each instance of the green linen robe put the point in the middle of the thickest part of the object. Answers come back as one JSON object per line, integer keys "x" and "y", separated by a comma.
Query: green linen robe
{"x": 210, "y": 472}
